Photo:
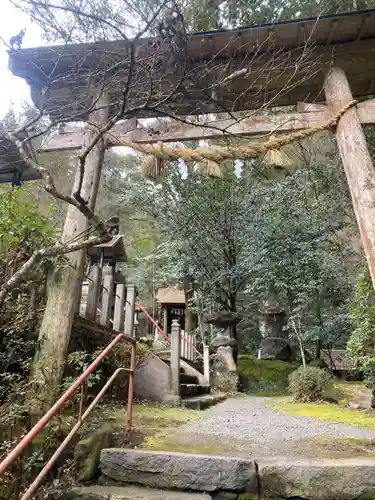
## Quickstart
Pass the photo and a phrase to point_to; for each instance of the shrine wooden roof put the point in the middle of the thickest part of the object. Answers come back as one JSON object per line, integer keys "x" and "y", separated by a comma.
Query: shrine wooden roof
{"x": 281, "y": 69}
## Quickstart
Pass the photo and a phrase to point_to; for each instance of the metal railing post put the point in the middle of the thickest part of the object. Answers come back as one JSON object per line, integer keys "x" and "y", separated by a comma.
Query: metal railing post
{"x": 39, "y": 426}
{"x": 129, "y": 416}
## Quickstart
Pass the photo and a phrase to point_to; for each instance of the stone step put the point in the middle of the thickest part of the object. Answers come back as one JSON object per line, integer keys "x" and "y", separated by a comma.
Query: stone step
{"x": 189, "y": 390}
{"x": 188, "y": 379}
{"x": 203, "y": 401}
{"x": 130, "y": 493}
{"x": 179, "y": 471}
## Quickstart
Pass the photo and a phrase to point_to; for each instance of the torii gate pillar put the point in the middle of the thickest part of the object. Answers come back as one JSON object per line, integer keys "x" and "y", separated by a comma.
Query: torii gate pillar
{"x": 356, "y": 159}
{"x": 66, "y": 282}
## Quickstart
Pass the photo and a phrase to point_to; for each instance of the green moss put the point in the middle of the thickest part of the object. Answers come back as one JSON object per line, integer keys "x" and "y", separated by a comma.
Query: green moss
{"x": 264, "y": 376}
{"x": 327, "y": 412}
{"x": 166, "y": 442}
{"x": 151, "y": 419}
{"x": 248, "y": 496}
{"x": 87, "y": 451}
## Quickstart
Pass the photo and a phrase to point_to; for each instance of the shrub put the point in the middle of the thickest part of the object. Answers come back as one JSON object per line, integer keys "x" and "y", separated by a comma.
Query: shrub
{"x": 360, "y": 346}
{"x": 308, "y": 384}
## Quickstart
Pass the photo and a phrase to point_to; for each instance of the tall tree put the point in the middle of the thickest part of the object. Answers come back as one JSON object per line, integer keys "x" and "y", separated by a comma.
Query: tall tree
{"x": 214, "y": 14}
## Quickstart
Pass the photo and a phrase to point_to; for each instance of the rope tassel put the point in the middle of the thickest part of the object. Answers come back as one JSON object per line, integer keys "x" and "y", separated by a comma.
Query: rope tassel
{"x": 153, "y": 168}
{"x": 212, "y": 169}
{"x": 276, "y": 157}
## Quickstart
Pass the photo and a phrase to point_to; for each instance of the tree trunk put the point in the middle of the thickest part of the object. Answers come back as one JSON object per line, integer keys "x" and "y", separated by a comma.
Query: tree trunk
{"x": 65, "y": 285}
{"x": 297, "y": 332}
{"x": 318, "y": 348}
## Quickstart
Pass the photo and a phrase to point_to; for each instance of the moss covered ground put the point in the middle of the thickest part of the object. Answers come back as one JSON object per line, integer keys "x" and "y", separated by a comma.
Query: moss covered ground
{"x": 264, "y": 377}
{"x": 327, "y": 412}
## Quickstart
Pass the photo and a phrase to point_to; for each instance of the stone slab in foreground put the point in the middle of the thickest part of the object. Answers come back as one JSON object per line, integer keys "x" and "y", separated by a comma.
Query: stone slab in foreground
{"x": 130, "y": 493}
{"x": 323, "y": 480}
{"x": 183, "y": 471}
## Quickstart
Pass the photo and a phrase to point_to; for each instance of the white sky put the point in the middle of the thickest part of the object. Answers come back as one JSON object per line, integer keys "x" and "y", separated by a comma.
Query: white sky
{"x": 12, "y": 88}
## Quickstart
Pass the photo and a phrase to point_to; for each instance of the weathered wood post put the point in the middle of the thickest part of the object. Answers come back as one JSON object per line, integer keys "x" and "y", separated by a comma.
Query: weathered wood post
{"x": 356, "y": 159}
{"x": 95, "y": 280}
{"x": 206, "y": 363}
{"x": 130, "y": 310}
{"x": 107, "y": 299}
{"x": 175, "y": 359}
{"x": 66, "y": 282}
{"x": 119, "y": 314}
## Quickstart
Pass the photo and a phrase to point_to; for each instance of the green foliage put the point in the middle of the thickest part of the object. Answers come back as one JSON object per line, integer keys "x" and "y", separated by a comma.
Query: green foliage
{"x": 19, "y": 215}
{"x": 22, "y": 230}
{"x": 301, "y": 254}
{"x": 204, "y": 224}
{"x": 308, "y": 384}
{"x": 213, "y": 14}
{"x": 361, "y": 345}
{"x": 239, "y": 240}
{"x": 263, "y": 376}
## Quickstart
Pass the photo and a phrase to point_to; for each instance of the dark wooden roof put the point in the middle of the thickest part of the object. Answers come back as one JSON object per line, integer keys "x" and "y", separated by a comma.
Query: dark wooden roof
{"x": 113, "y": 249}
{"x": 270, "y": 53}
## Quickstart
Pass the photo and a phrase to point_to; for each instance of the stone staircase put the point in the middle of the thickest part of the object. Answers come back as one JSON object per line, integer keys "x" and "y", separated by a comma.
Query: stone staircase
{"x": 195, "y": 395}
{"x": 155, "y": 475}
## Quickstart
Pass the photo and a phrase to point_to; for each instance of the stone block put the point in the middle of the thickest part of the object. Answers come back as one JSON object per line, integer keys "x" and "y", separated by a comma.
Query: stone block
{"x": 183, "y": 471}
{"x": 130, "y": 493}
{"x": 87, "y": 452}
{"x": 323, "y": 480}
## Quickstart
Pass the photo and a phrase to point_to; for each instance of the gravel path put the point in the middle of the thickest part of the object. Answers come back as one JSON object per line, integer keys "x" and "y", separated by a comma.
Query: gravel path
{"x": 255, "y": 420}
{"x": 250, "y": 426}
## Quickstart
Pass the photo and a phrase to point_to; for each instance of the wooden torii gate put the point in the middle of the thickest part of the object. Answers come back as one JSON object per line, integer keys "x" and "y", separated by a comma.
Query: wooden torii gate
{"x": 342, "y": 66}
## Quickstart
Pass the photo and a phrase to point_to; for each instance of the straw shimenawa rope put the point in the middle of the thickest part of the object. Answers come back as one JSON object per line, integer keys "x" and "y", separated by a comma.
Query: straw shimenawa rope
{"x": 217, "y": 154}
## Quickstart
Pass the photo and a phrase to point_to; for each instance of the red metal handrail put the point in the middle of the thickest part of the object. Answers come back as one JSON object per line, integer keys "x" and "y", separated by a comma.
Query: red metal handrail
{"x": 160, "y": 330}
{"x": 39, "y": 426}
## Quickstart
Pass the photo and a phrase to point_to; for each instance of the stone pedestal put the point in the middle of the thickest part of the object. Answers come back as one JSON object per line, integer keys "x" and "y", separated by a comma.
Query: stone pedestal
{"x": 224, "y": 377}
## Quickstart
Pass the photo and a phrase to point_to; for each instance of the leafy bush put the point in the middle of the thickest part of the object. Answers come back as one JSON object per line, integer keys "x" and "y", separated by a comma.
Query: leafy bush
{"x": 361, "y": 343}
{"x": 308, "y": 384}
{"x": 261, "y": 375}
